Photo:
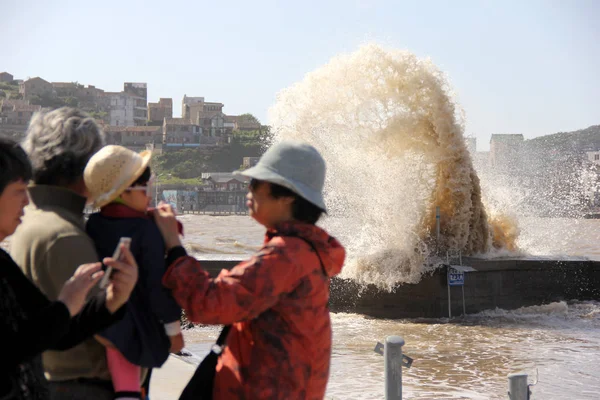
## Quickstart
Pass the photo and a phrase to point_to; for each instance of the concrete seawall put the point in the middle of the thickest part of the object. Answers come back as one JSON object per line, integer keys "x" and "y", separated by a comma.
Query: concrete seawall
{"x": 502, "y": 283}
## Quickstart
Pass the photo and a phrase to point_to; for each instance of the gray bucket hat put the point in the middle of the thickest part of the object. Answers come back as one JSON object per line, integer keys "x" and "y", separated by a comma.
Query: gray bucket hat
{"x": 295, "y": 165}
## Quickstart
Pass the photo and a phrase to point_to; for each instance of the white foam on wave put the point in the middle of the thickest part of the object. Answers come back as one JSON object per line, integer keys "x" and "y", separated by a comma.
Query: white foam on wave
{"x": 392, "y": 135}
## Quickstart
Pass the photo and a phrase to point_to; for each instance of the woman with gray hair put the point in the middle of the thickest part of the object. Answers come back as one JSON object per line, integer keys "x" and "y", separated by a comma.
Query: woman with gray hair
{"x": 51, "y": 242}
{"x": 60, "y": 143}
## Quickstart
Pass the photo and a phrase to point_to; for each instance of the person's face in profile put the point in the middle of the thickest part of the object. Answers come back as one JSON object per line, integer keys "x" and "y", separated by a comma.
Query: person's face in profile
{"x": 266, "y": 209}
{"x": 13, "y": 199}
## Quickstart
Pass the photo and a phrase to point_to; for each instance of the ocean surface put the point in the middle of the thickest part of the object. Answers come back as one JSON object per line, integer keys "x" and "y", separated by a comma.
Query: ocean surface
{"x": 557, "y": 344}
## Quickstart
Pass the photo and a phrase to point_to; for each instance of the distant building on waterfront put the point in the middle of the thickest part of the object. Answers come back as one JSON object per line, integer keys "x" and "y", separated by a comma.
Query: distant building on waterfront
{"x": 66, "y": 89}
{"x": 129, "y": 107}
{"x": 190, "y": 106}
{"x": 36, "y": 87}
{"x": 202, "y": 124}
{"x": 207, "y": 115}
{"x": 248, "y": 162}
{"x": 134, "y": 137}
{"x": 224, "y": 181}
{"x": 5, "y": 77}
{"x": 16, "y": 112}
{"x": 223, "y": 192}
{"x": 182, "y": 200}
{"x": 15, "y": 116}
{"x": 179, "y": 131}
{"x": 157, "y": 112}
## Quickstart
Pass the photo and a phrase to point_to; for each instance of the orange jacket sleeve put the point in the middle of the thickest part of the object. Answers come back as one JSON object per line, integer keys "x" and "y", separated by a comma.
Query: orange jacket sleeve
{"x": 243, "y": 293}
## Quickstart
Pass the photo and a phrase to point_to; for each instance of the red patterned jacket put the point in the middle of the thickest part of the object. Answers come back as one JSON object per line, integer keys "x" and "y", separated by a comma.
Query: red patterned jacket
{"x": 280, "y": 344}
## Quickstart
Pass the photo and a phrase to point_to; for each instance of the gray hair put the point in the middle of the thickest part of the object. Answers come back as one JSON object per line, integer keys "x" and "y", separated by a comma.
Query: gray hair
{"x": 60, "y": 143}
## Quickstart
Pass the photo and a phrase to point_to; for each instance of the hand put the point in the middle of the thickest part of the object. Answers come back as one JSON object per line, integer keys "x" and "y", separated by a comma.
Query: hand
{"x": 74, "y": 292}
{"x": 122, "y": 280}
{"x": 176, "y": 343}
{"x": 166, "y": 222}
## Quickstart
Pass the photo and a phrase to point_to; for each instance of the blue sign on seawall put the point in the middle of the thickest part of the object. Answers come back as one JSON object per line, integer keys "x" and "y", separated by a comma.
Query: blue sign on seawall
{"x": 456, "y": 277}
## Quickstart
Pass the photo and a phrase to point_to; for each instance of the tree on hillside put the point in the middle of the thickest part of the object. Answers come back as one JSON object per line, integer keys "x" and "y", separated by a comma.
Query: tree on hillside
{"x": 46, "y": 100}
{"x": 250, "y": 118}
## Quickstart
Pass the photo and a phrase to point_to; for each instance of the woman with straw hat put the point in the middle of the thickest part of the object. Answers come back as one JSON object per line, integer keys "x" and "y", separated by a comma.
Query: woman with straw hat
{"x": 278, "y": 344}
{"x": 119, "y": 181}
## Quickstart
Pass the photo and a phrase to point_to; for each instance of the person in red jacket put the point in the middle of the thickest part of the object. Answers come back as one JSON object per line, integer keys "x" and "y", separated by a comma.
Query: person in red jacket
{"x": 279, "y": 346}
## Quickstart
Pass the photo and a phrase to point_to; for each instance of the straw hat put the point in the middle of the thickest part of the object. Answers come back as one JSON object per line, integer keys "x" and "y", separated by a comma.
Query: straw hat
{"x": 294, "y": 165}
{"x": 112, "y": 170}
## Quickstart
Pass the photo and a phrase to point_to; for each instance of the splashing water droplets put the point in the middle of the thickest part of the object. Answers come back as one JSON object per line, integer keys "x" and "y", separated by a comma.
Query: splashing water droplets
{"x": 393, "y": 142}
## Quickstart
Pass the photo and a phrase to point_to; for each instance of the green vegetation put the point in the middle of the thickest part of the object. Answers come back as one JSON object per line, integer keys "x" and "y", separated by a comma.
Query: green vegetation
{"x": 47, "y": 100}
{"x": 10, "y": 90}
{"x": 172, "y": 180}
{"x": 252, "y": 138}
{"x": 189, "y": 164}
{"x": 101, "y": 115}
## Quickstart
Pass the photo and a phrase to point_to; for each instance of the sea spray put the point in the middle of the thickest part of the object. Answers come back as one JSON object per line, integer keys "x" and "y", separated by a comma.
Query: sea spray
{"x": 392, "y": 137}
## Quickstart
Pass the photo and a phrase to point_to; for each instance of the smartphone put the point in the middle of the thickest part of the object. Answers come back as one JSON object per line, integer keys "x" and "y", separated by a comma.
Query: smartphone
{"x": 126, "y": 241}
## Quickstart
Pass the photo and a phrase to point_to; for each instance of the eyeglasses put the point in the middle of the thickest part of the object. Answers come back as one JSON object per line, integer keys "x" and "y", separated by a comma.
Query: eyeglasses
{"x": 148, "y": 188}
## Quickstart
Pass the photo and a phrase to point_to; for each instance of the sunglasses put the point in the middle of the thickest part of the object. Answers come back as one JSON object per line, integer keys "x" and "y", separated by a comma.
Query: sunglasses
{"x": 148, "y": 188}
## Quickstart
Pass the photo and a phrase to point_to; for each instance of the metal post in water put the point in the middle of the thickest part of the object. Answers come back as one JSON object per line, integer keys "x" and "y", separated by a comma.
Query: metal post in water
{"x": 462, "y": 286}
{"x": 393, "y": 367}
{"x": 448, "y": 284}
{"x": 437, "y": 227}
{"x": 517, "y": 387}
{"x": 464, "y": 307}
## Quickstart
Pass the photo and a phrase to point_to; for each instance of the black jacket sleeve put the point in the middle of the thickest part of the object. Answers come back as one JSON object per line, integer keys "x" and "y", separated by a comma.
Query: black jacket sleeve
{"x": 174, "y": 253}
{"x": 93, "y": 318}
{"x": 152, "y": 260}
{"x": 46, "y": 325}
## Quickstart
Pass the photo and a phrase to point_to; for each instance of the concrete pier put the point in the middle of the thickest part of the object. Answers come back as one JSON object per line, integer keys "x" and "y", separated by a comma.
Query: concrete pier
{"x": 501, "y": 283}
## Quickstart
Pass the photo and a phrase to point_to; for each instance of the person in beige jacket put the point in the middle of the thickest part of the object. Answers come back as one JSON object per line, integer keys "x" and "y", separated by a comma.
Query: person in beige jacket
{"x": 51, "y": 242}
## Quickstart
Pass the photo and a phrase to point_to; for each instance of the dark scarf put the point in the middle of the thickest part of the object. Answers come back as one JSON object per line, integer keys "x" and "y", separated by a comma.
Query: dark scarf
{"x": 118, "y": 210}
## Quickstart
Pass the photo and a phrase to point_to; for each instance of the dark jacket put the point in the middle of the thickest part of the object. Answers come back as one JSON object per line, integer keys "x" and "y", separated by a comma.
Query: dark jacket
{"x": 140, "y": 336}
{"x": 31, "y": 324}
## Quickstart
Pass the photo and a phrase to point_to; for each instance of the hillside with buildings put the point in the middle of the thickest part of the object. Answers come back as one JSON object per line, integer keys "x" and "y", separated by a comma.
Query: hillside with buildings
{"x": 194, "y": 154}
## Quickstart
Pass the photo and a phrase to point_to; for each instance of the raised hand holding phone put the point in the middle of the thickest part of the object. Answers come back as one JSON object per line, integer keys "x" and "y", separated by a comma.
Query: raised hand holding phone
{"x": 124, "y": 241}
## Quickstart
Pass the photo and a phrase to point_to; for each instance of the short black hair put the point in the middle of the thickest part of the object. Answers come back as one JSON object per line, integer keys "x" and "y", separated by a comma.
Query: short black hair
{"x": 143, "y": 178}
{"x": 14, "y": 164}
{"x": 302, "y": 209}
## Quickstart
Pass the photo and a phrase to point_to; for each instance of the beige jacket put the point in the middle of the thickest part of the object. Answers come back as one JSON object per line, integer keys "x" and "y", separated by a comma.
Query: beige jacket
{"x": 49, "y": 246}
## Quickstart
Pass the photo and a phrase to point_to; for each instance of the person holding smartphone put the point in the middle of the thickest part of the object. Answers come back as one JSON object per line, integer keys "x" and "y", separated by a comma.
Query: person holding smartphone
{"x": 50, "y": 243}
{"x": 30, "y": 323}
